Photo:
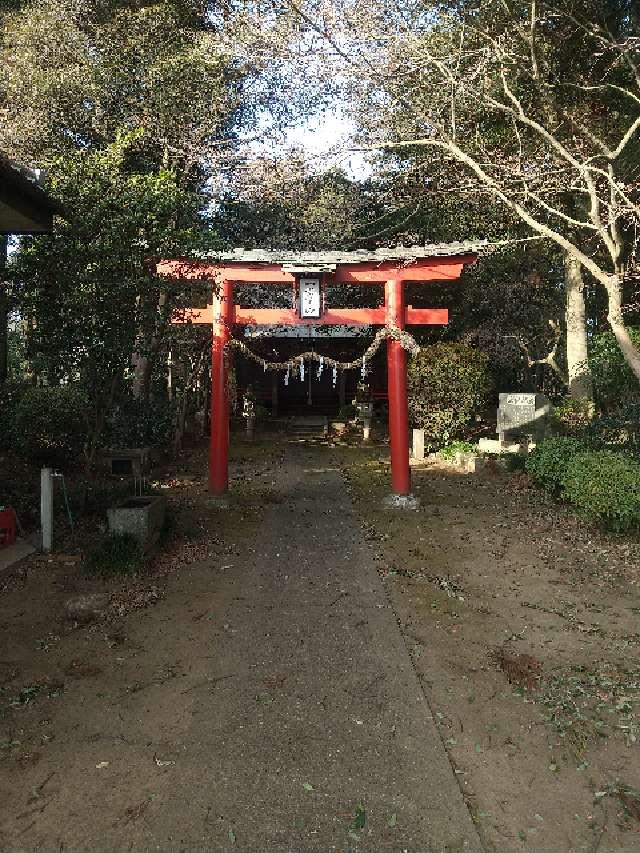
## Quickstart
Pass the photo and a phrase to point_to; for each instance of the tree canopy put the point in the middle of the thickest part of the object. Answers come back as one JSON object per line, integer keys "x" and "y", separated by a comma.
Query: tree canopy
{"x": 490, "y": 101}
{"x": 163, "y": 127}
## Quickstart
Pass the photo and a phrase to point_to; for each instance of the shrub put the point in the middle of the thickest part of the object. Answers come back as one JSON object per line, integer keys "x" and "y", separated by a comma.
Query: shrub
{"x": 10, "y": 395}
{"x": 618, "y": 430}
{"x": 547, "y": 463}
{"x": 139, "y": 423}
{"x": 515, "y": 463}
{"x": 571, "y": 416}
{"x": 51, "y": 424}
{"x": 116, "y": 554}
{"x": 451, "y": 450}
{"x": 605, "y": 486}
{"x": 613, "y": 381}
{"x": 448, "y": 384}
{"x": 347, "y": 412}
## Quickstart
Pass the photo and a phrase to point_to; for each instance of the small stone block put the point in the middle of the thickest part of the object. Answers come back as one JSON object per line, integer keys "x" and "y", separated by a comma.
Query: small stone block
{"x": 418, "y": 444}
{"x": 142, "y": 517}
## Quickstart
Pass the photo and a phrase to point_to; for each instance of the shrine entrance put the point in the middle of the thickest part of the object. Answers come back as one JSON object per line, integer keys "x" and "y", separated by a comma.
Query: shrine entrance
{"x": 309, "y": 274}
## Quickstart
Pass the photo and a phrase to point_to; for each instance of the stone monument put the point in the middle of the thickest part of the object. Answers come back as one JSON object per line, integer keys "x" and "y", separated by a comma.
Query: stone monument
{"x": 522, "y": 416}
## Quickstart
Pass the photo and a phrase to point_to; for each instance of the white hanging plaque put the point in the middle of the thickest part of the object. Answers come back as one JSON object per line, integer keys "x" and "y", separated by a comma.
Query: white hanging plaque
{"x": 309, "y": 298}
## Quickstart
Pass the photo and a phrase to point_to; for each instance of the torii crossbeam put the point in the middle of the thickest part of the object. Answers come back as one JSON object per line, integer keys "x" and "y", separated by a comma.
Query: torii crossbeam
{"x": 309, "y": 273}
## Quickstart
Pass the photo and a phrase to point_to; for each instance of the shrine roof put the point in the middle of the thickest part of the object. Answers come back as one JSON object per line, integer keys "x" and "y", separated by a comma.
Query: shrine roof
{"x": 329, "y": 260}
{"x": 25, "y": 207}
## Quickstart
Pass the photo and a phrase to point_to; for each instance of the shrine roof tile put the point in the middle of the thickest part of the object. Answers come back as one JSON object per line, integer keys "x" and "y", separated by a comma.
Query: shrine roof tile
{"x": 320, "y": 259}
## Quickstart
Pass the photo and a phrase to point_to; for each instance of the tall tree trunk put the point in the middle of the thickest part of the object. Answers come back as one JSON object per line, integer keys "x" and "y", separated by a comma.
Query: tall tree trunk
{"x": 196, "y": 367}
{"x": 616, "y": 322}
{"x": 152, "y": 337}
{"x": 141, "y": 371}
{"x": 4, "y": 313}
{"x": 580, "y": 381}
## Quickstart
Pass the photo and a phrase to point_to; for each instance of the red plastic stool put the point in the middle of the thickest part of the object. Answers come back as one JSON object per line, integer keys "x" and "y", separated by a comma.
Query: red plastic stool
{"x": 7, "y": 526}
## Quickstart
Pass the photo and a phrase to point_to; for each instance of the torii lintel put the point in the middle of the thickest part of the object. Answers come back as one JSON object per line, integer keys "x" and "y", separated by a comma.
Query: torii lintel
{"x": 331, "y": 317}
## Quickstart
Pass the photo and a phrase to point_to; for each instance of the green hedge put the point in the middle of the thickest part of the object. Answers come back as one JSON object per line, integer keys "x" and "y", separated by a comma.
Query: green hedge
{"x": 548, "y": 461}
{"x": 618, "y": 430}
{"x": 605, "y": 486}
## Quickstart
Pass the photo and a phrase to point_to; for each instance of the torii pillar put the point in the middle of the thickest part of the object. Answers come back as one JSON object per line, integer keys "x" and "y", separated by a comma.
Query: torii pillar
{"x": 397, "y": 391}
{"x": 219, "y": 438}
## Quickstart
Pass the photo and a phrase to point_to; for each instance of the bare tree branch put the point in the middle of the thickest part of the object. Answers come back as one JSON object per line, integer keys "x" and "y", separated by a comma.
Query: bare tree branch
{"x": 551, "y": 359}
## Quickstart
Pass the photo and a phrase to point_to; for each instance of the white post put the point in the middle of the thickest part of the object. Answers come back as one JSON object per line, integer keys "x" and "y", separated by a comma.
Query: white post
{"x": 46, "y": 508}
{"x": 418, "y": 444}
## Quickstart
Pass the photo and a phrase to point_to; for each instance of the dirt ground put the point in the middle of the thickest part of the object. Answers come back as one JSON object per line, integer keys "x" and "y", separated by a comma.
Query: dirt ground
{"x": 252, "y": 693}
{"x": 56, "y": 673}
{"x": 522, "y": 624}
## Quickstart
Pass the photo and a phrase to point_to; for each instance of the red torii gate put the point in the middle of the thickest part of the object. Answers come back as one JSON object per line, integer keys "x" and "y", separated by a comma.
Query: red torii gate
{"x": 388, "y": 267}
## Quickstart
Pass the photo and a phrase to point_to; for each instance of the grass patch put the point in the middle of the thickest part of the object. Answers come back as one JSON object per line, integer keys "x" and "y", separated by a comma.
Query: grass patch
{"x": 30, "y": 692}
{"x": 450, "y": 451}
{"x": 584, "y": 704}
{"x": 116, "y": 554}
{"x": 628, "y": 796}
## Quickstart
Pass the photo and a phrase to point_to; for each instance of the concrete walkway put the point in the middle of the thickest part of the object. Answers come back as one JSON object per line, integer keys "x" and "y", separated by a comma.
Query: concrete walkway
{"x": 14, "y": 553}
{"x": 279, "y": 710}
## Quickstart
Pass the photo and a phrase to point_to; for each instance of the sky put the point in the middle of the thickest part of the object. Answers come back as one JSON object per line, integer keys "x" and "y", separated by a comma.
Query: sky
{"x": 325, "y": 139}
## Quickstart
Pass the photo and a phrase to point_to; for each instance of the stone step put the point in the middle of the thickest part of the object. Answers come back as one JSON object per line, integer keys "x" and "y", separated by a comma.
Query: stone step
{"x": 308, "y": 425}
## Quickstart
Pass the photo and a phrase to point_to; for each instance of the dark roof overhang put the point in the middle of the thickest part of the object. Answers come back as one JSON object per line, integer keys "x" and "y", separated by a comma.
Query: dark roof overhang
{"x": 25, "y": 207}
